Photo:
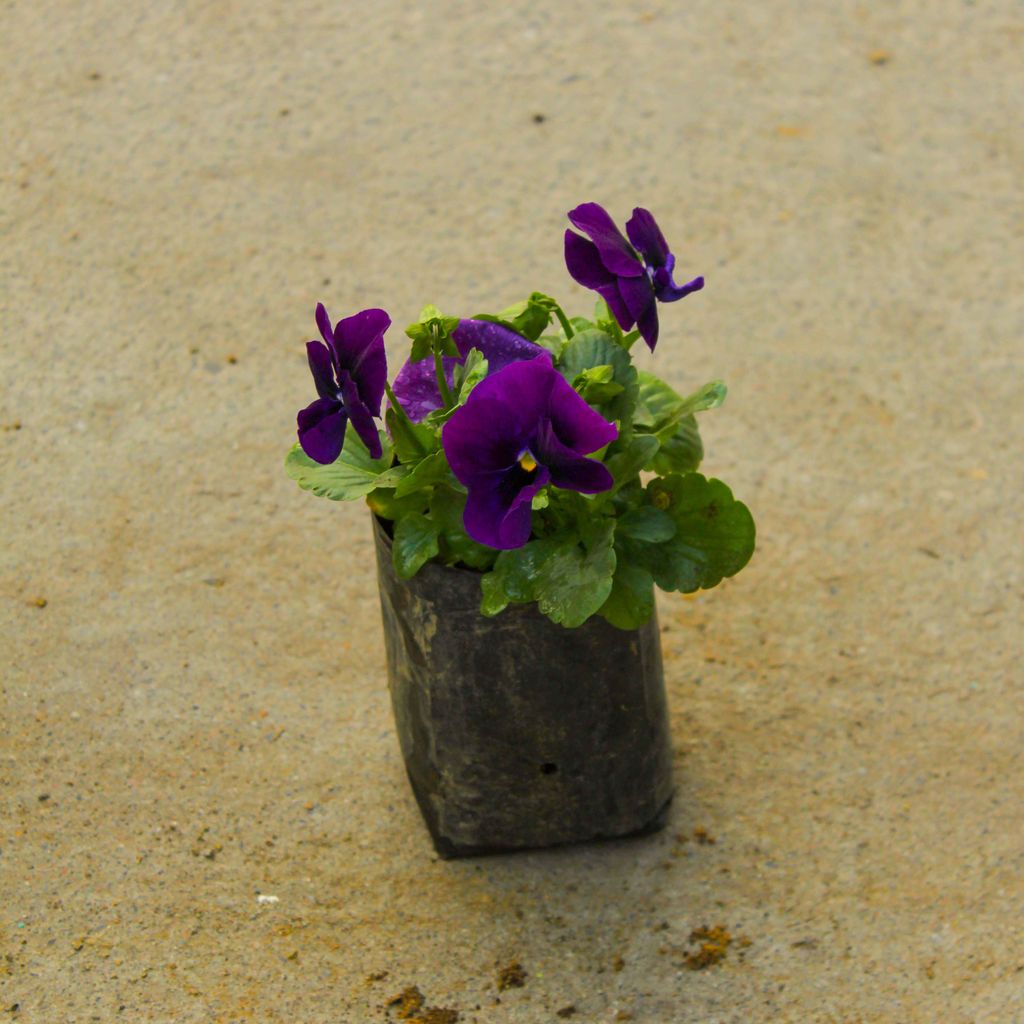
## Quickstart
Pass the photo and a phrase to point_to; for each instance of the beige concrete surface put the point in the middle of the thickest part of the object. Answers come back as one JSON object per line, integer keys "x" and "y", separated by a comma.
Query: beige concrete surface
{"x": 198, "y": 714}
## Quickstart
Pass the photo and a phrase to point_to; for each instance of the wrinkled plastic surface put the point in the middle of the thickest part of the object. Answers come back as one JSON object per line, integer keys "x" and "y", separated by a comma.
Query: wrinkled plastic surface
{"x": 516, "y": 732}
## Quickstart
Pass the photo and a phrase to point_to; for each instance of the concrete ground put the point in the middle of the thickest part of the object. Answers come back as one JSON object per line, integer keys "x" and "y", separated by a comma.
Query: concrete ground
{"x": 193, "y": 709}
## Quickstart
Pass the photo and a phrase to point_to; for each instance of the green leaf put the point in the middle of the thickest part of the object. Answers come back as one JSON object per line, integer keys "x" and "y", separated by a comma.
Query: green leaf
{"x": 605, "y": 320}
{"x": 353, "y": 474}
{"x": 413, "y": 441}
{"x": 494, "y": 599}
{"x": 660, "y": 409}
{"x": 568, "y": 581}
{"x": 596, "y": 385}
{"x": 514, "y": 577}
{"x": 425, "y": 473}
{"x": 625, "y": 466}
{"x": 464, "y": 380}
{"x": 415, "y": 543}
{"x": 592, "y": 348}
{"x": 681, "y": 451}
{"x": 529, "y": 318}
{"x": 554, "y": 343}
{"x": 382, "y": 502}
{"x": 595, "y": 375}
{"x": 446, "y": 509}
{"x": 573, "y": 583}
{"x": 714, "y": 534}
{"x": 468, "y": 374}
{"x": 631, "y": 601}
{"x": 533, "y": 321}
{"x": 647, "y": 523}
{"x": 421, "y": 343}
{"x": 656, "y": 402}
{"x": 710, "y": 396}
{"x": 432, "y": 333}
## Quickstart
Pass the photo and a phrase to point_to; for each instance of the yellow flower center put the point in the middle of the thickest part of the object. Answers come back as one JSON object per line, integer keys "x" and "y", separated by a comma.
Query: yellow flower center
{"x": 528, "y": 462}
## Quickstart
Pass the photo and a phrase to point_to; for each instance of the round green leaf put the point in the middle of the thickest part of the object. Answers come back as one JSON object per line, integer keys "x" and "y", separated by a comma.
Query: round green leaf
{"x": 352, "y": 475}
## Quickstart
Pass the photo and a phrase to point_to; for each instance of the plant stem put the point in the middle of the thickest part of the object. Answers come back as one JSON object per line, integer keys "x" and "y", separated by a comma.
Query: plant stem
{"x": 564, "y": 321}
{"x": 396, "y": 405}
{"x": 442, "y": 381}
{"x": 402, "y": 415}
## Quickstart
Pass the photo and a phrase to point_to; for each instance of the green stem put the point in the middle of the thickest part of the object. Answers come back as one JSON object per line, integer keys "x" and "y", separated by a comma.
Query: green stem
{"x": 397, "y": 405}
{"x": 564, "y": 321}
{"x": 402, "y": 415}
{"x": 442, "y": 381}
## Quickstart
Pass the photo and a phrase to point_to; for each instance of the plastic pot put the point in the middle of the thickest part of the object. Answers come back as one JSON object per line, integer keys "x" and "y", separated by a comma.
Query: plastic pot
{"x": 516, "y": 732}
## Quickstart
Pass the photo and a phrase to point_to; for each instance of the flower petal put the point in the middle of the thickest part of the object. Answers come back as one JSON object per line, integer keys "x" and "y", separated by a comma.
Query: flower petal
{"x": 321, "y": 365}
{"x": 323, "y": 322}
{"x": 523, "y": 388}
{"x": 416, "y": 389}
{"x": 638, "y": 295}
{"x": 498, "y": 510}
{"x": 610, "y": 294}
{"x": 666, "y": 290}
{"x": 579, "y": 428}
{"x": 646, "y": 236}
{"x": 647, "y": 325}
{"x": 588, "y": 476}
{"x": 569, "y": 469}
{"x": 520, "y": 406}
{"x": 362, "y": 418}
{"x": 359, "y": 343}
{"x": 483, "y": 439}
{"x": 322, "y": 430}
{"x": 583, "y": 262}
{"x": 616, "y": 253}
{"x": 498, "y": 344}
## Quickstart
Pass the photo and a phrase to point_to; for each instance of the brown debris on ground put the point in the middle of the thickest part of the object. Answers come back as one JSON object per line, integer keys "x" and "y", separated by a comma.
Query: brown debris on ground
{"x": 512, "y": 975}
{"x": 436, "y": 1015}
{"x": 408, "y": 1006}
{"x": 713, "y": 946}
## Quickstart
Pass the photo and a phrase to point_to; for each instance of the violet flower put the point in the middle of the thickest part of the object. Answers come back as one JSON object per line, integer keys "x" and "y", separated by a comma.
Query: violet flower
{"x": 416, "y": 384}
{"x": 521, "y": 428}
{"x": 632, "y": 279}
{"x": 350, "y": 370}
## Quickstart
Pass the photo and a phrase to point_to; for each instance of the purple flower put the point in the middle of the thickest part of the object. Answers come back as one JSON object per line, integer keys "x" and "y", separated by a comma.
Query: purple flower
{"x": 416, "y": 383}
{"x": 350, "y": 370}
{"x": 632, "y": 279}
{"x": 521, "y": 428}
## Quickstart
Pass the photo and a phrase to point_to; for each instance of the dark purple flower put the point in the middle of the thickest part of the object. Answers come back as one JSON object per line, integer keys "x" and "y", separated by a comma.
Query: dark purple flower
{"x": 350, "y": 370}
{"x": 416, "y": 383}
{"x": 521, "y": 428}
{"x": 632, "y": 279}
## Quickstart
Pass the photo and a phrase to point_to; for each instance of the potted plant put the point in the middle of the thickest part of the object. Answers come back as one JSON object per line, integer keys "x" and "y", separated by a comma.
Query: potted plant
{"x": 529, "y": 488}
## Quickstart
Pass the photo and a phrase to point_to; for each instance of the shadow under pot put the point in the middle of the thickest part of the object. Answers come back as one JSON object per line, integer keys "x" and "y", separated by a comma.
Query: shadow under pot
{"x": 518, "y": 733}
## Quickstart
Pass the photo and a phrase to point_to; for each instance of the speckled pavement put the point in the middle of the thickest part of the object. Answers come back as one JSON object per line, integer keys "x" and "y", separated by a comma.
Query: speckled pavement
{"x": 203, "y": 814}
